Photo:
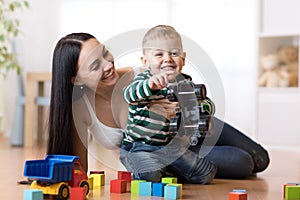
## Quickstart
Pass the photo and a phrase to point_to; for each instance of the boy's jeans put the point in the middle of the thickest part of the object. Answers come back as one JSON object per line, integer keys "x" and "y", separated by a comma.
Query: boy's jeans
{"x": 148, "y": 162}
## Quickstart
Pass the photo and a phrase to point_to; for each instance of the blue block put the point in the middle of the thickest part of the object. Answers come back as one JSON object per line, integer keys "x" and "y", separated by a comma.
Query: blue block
{"x": 158, "y": 189}
{"x": 33, "y": 195}
{"x": 145, "y": 188}
{"x": 240, "y": 191}
{"x": 171, "y": 192}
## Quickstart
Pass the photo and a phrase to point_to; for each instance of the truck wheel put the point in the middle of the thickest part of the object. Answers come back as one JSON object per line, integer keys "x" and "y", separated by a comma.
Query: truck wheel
{"x": 86, "y": 186}
{"x": 64, "y": 192}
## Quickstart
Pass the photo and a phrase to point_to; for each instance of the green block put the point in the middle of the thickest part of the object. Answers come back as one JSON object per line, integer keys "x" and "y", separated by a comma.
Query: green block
{"x": 169, "y": 180}
{"x": 292, "y": 192}
{"x": 135, "y": 186}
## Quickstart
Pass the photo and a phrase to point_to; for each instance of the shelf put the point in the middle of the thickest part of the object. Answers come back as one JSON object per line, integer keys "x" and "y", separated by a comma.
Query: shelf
{"x": 270, "y": 44}
{"x": 279, "y": 90}
{"x": 278, "y": 108}
{"x": 283, "y": 34}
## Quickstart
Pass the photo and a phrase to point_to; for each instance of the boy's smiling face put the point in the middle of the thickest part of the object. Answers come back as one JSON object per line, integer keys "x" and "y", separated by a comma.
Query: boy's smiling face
{"x": 164, "y": 55}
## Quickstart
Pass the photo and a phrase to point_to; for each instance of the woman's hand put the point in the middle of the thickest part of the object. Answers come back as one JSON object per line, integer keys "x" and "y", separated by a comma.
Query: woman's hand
{"x": 163, "y": 107}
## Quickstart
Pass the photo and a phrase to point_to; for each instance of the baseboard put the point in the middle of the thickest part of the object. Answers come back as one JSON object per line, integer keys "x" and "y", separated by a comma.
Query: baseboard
{"x": 282, "y": 148}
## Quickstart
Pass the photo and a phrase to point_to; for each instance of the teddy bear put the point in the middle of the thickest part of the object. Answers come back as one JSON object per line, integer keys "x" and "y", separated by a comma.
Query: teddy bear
{"x": 288, "y": 58}
{"x": 273, "y": 75}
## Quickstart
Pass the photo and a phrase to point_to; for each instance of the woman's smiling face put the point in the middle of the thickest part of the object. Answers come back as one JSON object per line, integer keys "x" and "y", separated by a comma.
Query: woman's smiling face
{"x": 95, "y": 65}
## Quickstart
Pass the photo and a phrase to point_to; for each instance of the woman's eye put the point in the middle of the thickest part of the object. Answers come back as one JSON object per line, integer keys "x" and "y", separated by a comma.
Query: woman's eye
{"x": 95, "y": 65}
{"x": 107, "y": 56}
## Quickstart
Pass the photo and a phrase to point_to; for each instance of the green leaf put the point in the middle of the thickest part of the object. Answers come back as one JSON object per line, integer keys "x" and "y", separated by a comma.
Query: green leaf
{"x": 9, "y": 26}
{"x": 17, "y": 4}
{"x": 2, "y": 38}
{"x": 12, "y": 7}
{"x": 26, "y": 4}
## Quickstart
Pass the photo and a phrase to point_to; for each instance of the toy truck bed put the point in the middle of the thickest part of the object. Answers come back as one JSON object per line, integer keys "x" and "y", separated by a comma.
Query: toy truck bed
{"x": 53, "y": 169}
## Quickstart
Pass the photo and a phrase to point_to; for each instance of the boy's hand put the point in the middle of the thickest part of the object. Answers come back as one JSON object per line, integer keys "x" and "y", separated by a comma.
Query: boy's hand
{"x": 160, "y": 81}
{"x": 163, "y": 107}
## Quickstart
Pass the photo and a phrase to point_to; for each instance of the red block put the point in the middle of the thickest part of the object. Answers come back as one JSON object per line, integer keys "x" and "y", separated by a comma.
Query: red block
{"x": 118, "y": 186}
{"x": 96, "y": 172}
{"x": 237, "y": 196}
{"x": 77, "y": 193}
{"x": 123, "y": 175}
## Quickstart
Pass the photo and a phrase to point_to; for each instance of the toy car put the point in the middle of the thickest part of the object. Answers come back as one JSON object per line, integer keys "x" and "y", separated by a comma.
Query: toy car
{"x": 55, "y": 174}
{"x": 194, "y": 114}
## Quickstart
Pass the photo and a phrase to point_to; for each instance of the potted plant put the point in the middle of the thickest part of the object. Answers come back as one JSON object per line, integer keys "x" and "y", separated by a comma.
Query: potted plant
{"x": 9, "y": 28}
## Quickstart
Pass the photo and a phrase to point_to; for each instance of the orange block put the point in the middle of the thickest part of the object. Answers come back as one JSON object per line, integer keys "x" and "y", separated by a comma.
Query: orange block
{"x": 237, "y": 196}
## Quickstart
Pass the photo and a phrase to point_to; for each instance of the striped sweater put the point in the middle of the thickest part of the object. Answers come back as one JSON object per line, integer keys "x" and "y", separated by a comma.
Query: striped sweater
{"x": 143, "y": 124}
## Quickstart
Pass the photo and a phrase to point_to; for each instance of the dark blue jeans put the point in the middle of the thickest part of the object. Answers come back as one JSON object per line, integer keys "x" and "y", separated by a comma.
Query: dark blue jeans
{"x": 236, "y": 155}
{"x": 151, "y": 163}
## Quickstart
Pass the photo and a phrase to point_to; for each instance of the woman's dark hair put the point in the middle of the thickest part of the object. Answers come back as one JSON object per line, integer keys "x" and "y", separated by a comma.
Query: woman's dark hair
{"x": 64, "y": 67}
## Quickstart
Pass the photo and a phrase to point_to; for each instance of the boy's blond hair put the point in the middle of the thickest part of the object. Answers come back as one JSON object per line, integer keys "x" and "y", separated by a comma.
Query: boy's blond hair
{"x": 160, "y": 32}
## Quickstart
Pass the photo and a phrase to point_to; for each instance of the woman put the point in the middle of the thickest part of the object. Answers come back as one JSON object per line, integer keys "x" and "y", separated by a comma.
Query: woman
{"x": 84, "y": 80}
{"x": 79, "y": 63}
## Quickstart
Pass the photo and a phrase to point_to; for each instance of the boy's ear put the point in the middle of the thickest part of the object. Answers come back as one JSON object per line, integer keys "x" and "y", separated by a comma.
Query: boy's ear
{"x": 143, "y": 59}
{"x": 183, "y": 57}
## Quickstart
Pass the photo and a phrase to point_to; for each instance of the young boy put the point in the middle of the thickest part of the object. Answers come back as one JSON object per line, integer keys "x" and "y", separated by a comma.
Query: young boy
{"x": 148, "y": 150}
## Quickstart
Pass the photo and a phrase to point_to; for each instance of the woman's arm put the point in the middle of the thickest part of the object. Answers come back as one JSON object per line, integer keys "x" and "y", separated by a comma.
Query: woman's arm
{"x": 80, "y": 147}
{"x": 81, "y": 120}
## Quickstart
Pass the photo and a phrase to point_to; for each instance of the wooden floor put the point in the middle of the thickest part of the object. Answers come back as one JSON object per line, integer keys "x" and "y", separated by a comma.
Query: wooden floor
{"x": 268, "y": 185}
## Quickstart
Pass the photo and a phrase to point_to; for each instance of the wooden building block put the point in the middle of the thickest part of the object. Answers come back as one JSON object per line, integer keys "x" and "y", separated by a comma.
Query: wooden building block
{"x": 33, "y": 195}
{"x": 171, "y": 192}
{"x": 237, "y": 196}
{"x": 77, "y": 193}
{"x": 292, "y": 192}
{"x": 180, "y": 187}
{"x": 118, "y": 186}
{"x": 124, "y": 175}
{"x": 135, "y": 186}
{"x": 97, "y": 172}
{"x": 99, "y": 180}
{"x": 145, "y": 188}
{"x": 91, "y": 182}
{"x": 288, "y": 184}
{"x": 169, "y": 180}
{"x": 158, "y": 189}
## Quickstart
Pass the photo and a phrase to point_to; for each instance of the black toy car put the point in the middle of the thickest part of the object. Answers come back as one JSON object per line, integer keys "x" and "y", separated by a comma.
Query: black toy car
{"x": 194, "y": 114}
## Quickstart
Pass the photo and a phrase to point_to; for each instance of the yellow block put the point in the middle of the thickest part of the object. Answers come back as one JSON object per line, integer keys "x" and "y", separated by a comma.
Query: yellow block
{"x": 91, "y": 182}
{"x": 135, "y": 186}
{"x": 169, "y": 180}
{"x": 99, "y": 179}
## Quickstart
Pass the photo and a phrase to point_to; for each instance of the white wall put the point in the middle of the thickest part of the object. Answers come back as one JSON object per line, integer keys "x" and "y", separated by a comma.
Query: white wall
{"x": 34, "y": 46}
{"x": 226, "y": 29}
